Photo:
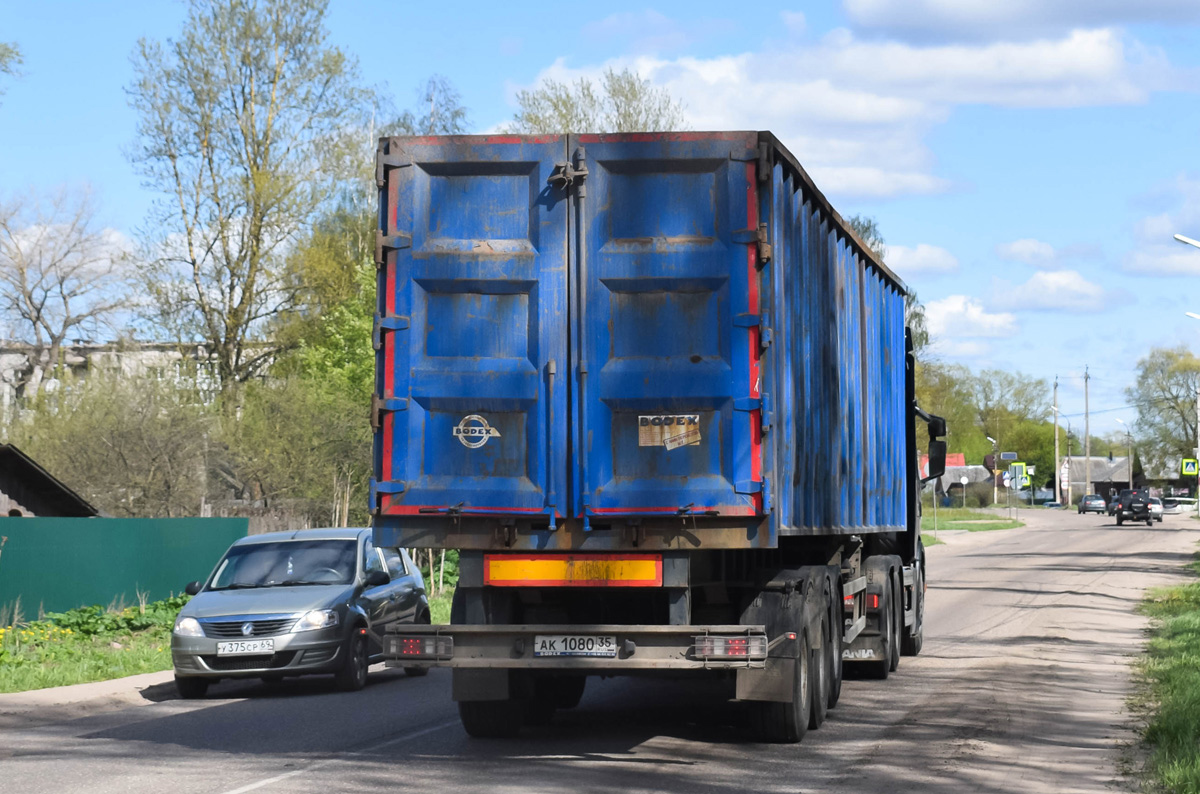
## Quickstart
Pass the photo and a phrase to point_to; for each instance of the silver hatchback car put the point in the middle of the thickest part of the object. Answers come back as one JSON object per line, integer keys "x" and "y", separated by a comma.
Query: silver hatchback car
{"x": 294, "y": 603}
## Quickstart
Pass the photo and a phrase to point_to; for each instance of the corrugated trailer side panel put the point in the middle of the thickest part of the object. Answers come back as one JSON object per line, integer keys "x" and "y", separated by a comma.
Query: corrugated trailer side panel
{"x": 837, "y": 369}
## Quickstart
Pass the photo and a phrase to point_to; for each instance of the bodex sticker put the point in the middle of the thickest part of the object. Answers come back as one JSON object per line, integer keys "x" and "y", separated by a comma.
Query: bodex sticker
{"x": 474, "y": 431}
{"x": 669, "y": 430}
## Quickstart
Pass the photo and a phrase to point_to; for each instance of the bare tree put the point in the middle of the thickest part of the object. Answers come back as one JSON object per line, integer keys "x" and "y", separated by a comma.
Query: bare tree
{"x": 10, "y": 60}
{"x": 242, "y": 125}
{"x": 622, "y": 102}
{"x": 60, "y": 276}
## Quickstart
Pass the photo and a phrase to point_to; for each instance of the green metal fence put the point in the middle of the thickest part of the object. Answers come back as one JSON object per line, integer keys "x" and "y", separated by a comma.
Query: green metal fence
{"x": 54, "y": 564}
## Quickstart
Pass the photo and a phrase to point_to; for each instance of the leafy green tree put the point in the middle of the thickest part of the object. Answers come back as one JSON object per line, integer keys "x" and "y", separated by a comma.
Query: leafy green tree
{"x": 622, "y": 102}
{"x": 10, "y": 60}
{"x": 303, "y": 445}
{"x": 131, "y": 447}
{"x": 1165, "y": 391}
{"x": 242, "y": 126}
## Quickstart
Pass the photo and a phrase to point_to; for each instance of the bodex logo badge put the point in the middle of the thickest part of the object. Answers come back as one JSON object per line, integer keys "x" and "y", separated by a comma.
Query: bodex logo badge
{"x": 474, "y": 431}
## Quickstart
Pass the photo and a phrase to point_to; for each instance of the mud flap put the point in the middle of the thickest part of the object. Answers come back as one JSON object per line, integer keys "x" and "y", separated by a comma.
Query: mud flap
{"x": 786, "y": 604}
{"x": 868, "y": 646}
{"x": 485, "y": 684}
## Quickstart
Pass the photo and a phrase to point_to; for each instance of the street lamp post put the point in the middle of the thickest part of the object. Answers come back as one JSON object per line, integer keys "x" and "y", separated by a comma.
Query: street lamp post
{"x": 1129, "y": 446}
{"x": 995, "y": 462}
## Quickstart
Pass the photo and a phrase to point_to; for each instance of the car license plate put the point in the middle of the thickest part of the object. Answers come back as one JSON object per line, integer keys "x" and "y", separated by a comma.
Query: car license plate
{"x": 245, "y": 647}
{"x": 574, "y": 645}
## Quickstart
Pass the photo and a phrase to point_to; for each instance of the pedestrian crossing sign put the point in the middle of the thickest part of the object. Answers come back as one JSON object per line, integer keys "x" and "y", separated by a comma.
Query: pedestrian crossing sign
{"x": 1190, "y": 467}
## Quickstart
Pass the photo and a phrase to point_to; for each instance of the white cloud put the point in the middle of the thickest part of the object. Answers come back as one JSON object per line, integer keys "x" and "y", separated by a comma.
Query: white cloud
{"x": 1157, "y": 252}
{"x": 924, "y": 259}
{"x": 1027, "y": 250}
{"x": 1086, "y": 67}
{"x": 977, "y": 20}
{"x": 963, "y": 317}
{"x": 794, "y": 21}
{"x": 856, "y": 112}
{"x": 960, "y": 348}
{"x": 1053, "y": 290}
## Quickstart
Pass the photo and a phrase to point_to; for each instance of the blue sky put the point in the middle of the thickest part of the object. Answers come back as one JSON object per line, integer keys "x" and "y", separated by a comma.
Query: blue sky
{"x": 1027, "y": 160}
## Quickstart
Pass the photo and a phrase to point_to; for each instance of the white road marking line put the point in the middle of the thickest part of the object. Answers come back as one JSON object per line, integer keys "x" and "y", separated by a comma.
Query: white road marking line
{"x": 340, "y": 757}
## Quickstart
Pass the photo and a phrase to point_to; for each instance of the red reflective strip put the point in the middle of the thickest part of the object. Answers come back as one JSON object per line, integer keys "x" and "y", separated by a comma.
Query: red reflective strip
{"x": 410, "y": 510}
{"x": 872, "y": 601}
{"x": 389, "y": 363}
{"x": 664, "y": 137}
{"x": 755, "y": 417}
{"x": 723, "y": 510}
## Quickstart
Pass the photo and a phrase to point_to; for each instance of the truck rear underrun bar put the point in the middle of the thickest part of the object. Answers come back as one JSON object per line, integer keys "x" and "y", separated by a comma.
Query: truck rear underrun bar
{"x": 626, "y": 647}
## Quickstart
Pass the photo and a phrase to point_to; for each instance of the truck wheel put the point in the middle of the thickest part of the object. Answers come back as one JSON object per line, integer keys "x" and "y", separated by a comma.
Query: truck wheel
{"x": 786, "y": 723}
{"x": 914, "y": 638}
{"x": 568, "y": 690}
{"x": 191, "y": 688}
{"x": 897, "y": 618}
{"x": 821, "y": 672}
{"x": 836, "y": 636}
{"x": 352, "y": 675}
{"x": 491, "y": 719}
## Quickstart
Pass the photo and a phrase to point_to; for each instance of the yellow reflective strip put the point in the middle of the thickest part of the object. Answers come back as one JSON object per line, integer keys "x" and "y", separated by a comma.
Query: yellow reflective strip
{"x": 569, "y": 570}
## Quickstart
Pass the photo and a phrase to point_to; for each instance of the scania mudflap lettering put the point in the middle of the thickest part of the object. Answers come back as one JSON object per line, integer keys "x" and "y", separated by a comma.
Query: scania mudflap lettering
{"x": 660, "y": 397}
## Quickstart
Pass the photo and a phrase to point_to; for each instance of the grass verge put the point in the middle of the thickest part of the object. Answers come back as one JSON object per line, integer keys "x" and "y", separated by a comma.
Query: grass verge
{"x": 1170, "y": 674}
{"x": 968, "y": 519}
{"x": 86, "y": 644}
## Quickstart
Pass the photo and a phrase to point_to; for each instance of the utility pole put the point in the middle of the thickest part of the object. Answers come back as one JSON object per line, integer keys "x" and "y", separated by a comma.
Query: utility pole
{"x": 1087, "y": 437}
{"x": 1198, "y": 448}
{"x": 1055, "y": 475}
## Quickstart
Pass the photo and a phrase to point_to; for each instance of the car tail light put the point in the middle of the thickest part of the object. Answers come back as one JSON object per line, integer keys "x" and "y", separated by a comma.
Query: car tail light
{"x": 423, "y": 646}
{"x": 742, "y": 647}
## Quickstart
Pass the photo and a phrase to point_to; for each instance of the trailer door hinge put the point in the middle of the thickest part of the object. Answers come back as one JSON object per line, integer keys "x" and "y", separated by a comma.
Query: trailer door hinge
{"x": 387, "y": 160}
{"x": 379, "y": 405}
{"x": 385, "y": 243}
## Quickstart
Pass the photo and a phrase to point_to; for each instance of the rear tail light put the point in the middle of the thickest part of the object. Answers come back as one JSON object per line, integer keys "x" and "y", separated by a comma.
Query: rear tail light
{"x": 420, "y": 647}
{"x": 742, "y": 647}
{"x": 872, "y": 601}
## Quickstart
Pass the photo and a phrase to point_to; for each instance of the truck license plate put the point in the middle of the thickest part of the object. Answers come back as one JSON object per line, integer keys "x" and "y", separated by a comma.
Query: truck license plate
{"x": 245, "y": 647}
{"x": 574, "y": 645}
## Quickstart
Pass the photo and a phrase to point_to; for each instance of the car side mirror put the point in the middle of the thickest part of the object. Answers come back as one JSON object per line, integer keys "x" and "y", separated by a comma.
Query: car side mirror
{"x": 376, "y": 579}
{"x": 192, "y": 588}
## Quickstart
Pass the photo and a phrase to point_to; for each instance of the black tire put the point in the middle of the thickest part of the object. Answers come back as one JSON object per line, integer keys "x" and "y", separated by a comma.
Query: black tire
{"x": 897, "y": 624}
{"x": 1119, "y": 521}
{"x": 914, "y": 638}
{"x": 191, "y": 688}
{"x": 1149, "y": 522}
{"x": 837, "y": 632}
{"x": 491, "y": 719}
{"x": 786, "y": 723}
{"x": 567, "y": 690}
{"x": 821, "y": 673}
{"x": 352, "y": 675}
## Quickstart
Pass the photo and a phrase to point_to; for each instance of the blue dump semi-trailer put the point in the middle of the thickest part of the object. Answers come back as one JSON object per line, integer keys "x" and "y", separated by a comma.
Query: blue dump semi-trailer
{"x": 660, "y": 397}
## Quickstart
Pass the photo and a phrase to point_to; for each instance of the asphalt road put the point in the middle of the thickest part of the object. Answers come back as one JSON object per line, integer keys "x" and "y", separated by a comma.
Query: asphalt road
{"x": 1021, "y": 687}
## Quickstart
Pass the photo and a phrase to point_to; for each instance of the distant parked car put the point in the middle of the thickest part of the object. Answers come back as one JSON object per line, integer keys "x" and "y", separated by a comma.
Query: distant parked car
{"x": 1156, "y": 509}
{"x": 293, "y": 603}
{"x": 1178, "y": 505}
{"x": 1092, "y": 503}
